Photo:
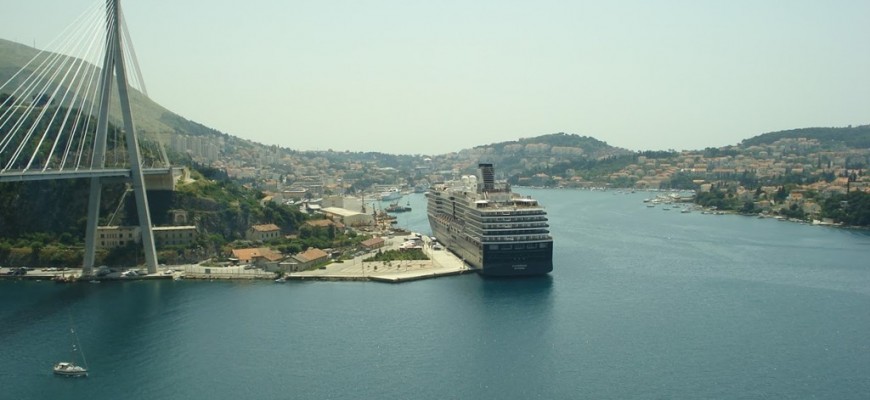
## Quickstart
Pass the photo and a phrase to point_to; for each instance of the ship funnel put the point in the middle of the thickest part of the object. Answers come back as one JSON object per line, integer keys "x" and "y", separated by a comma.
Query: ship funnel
{"x": 487, "y": 175}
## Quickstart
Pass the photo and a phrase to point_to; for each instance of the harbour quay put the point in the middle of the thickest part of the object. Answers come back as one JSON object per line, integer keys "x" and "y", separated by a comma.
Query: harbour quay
{"x": 66, "y": 275}
{"x": 440, "y": 263}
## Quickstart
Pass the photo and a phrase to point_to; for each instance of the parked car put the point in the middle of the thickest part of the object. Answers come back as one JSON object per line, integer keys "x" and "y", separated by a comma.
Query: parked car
{"x": 129, "y": 274}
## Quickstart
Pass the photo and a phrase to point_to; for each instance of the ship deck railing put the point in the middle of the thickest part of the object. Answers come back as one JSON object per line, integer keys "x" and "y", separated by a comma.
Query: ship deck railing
{"x": 505, "y": 239}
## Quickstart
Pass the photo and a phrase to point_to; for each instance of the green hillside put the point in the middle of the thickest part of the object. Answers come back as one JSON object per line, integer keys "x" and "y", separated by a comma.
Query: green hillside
{"x": 853, "y": 137}
{"x": 563, "y": 140}
{"x": 150, "y": 118}
{"x": 538, "y": 153}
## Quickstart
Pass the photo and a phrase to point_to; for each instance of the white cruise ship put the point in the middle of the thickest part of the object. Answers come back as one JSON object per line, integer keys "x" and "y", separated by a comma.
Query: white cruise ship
{"x": 496, "y": 231}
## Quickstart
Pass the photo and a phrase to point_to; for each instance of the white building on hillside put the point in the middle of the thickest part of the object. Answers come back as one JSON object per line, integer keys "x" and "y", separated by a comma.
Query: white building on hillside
{"x": 348, "y": 217}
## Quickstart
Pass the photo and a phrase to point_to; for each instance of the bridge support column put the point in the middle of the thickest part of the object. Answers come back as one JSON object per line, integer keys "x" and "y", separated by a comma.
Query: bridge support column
{"x": 93, "y": 221}
{"x": 114, "y": 62}
{"x": 133, "y": 155}
{"x": 135, "y": 159}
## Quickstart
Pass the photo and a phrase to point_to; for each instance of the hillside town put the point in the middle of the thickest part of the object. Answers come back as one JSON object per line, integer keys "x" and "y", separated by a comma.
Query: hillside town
{"x": 785, "y": 174}
{"x": 304, "y": 209}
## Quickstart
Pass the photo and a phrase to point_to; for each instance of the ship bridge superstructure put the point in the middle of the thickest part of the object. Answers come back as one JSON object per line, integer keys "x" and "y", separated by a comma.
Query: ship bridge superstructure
{"x": 490, "y": 213}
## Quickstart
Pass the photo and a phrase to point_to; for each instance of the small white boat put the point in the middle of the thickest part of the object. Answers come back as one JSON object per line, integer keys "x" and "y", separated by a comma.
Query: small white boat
{"x": 65, "y": 368}
{"x": 69, "y": 369}
{"x": 280, "y": 280}
{"x": 390, "y": 194}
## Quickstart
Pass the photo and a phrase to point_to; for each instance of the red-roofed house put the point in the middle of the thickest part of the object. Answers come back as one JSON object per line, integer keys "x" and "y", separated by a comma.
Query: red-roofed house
{"x": 373, "y": 243}
{"x": 257, "y": 256}
{"x": 263, "y": 233}
{"x": 309, "y": 258}
{"x": 324, "y": 223}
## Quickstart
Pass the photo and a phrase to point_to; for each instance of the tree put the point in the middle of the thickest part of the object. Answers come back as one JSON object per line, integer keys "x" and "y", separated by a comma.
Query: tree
{"x": 781, "y": 194}
{"x": 5, "y": 251}
{"x": 66, "y": 238}
{"x": 851, "y": 209}
{"x": 793, "y": 211}
{"x": 35, "y": 249}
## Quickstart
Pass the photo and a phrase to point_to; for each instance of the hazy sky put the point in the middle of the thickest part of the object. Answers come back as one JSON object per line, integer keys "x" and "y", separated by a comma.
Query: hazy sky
{"x": 430, "y": 77}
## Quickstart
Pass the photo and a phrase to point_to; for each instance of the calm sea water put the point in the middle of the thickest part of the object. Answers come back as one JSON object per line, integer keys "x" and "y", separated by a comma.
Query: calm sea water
{"x": 642, "y": 303}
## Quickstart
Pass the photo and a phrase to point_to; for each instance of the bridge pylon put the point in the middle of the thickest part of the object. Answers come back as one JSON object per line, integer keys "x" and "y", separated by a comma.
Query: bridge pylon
{"x": 114, "y": 71}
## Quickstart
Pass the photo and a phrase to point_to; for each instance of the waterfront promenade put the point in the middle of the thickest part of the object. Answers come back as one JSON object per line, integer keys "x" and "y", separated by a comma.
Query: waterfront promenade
{"x": 440, "y": 263}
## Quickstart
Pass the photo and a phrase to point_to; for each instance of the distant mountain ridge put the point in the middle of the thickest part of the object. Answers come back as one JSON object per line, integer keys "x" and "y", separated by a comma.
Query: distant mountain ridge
{"x": 560, "y": 142}
{"x": 539, "y": 152}
{"x": 853, "y": 137}
{"x": 153, "y": 121}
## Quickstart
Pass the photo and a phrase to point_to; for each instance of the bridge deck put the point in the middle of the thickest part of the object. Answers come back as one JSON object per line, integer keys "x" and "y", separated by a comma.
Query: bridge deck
{"x": 40, "y": 175}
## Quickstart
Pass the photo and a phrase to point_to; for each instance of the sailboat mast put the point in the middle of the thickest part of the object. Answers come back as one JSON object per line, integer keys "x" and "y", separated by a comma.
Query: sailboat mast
{"x": 79, "y": 345}
{"x": 76, "y": 343}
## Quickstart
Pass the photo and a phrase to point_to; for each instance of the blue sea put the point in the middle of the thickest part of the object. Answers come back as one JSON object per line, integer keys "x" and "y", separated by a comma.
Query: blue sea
{"x": 642, "y": 304}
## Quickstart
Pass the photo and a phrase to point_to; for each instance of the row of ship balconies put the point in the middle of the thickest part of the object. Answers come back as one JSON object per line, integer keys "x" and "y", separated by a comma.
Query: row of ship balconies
{"x": 512, "y": 239}
{"x": 507, "y": 232}
{"x": 497, "y": 227}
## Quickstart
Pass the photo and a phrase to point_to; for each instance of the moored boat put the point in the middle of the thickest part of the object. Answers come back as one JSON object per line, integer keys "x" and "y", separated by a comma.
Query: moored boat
{"x": 69, "y": 369}
{"x": 390, "y": 194}
{"x": 396, "y": 208}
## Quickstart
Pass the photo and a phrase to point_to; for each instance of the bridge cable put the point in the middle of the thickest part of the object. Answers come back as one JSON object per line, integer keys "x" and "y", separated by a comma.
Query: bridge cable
{"x": 82, "y": 91}
{"x": 28, "y": 88}
{"x": 74, "y": 67}
{"x": 75, "y": 85}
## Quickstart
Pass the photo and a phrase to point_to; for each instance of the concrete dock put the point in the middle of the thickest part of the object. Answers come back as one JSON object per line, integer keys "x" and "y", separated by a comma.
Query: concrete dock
{"x": 75, "y": 274}
{"x": 440, "y": 263}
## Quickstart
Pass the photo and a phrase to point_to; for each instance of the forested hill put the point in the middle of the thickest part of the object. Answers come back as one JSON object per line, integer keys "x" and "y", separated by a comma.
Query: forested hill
{"x": 853, "y": 137}
{"x": 589, "y": 145}
{"x": 538, "y": 152}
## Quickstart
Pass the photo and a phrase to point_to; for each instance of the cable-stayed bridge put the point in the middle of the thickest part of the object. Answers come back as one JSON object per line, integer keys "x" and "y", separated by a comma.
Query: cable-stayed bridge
{"x": 56, "y": 119}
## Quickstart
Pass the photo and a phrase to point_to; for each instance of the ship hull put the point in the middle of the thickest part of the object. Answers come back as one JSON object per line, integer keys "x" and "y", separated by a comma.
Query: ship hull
{"x": 517, "y": 262}
{"x": 497, "y": 262}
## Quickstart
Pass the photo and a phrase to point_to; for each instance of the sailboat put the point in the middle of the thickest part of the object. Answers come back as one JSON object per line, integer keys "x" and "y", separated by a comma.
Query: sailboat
{"x": 69, "y": 368}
